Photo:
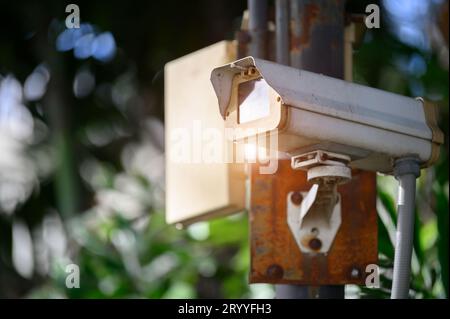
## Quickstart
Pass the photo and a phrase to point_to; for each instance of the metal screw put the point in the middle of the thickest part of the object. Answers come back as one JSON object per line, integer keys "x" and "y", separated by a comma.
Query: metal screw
{"x": 315, "y": 244}
{"x": 296, "y": 198}
{"x": 275, "y": 271}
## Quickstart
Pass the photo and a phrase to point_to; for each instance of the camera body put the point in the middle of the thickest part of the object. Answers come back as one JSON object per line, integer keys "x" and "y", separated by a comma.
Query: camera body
{"x": 309, "y": 112}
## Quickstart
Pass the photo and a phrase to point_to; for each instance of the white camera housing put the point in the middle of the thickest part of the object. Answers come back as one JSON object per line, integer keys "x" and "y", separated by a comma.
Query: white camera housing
{"x": 311, "y": 111}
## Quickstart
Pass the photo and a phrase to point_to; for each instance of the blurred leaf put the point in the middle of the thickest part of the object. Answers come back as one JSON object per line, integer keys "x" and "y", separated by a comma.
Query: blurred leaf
{"x": 428, "y": 234}
{"x": 418, "y": 248}
{"x": 385, "y": 246}
{"x": 228, "y": 230}
{"x": 443, "y": 239}
{"x": 388, "y": 203}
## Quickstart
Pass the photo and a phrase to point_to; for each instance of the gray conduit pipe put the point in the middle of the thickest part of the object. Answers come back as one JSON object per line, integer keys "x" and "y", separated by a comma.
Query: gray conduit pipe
{"x": 406, "y": 171}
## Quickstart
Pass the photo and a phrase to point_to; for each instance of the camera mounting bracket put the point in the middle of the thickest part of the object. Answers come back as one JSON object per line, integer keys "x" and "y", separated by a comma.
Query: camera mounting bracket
{"x": 314, "y": 217}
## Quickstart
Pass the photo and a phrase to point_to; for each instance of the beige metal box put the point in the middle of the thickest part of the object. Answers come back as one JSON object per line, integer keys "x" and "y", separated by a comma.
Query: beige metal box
{"x": 197, "y": 189}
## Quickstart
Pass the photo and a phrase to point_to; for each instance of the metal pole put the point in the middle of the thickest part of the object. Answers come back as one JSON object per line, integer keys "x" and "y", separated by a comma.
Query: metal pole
{"x": 317, "y": 42}
{"x": 309, "y": 292}
{"x": 317, "y": 46}
{"x": 282, "y": 31}
{"x": 296, "y": 26}
{"x": 406, "y": 171}
{"x": 257, "y": 27}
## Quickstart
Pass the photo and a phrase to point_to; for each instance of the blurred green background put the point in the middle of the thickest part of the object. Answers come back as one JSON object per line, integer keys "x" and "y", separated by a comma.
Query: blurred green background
{"x": 82, "y": 150}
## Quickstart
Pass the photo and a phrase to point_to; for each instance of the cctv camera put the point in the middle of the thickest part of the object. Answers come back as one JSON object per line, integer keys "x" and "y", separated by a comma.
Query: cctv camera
{"x": 310, "y": 112}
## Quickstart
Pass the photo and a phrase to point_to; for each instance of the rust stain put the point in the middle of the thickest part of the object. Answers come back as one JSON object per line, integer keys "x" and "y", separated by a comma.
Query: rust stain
{"x": 309, "y": 17}
{"x": 243, "y": 40}
{"x": 273, "y": 246}
{"x": 275, "y": 271}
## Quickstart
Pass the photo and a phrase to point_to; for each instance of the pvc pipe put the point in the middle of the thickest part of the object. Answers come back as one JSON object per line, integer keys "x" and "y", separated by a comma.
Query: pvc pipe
{"x": 406, "y": 171}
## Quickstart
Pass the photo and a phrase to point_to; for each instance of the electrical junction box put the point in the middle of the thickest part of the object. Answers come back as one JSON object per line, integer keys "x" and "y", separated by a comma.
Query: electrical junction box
{"x": 201, "y": 180}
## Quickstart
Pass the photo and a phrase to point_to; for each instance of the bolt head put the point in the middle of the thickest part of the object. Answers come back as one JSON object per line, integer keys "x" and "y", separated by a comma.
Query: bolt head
{"x": 296, "y": 198}
{"x": 315, "y": 244}
{"x": 275, "y": 271}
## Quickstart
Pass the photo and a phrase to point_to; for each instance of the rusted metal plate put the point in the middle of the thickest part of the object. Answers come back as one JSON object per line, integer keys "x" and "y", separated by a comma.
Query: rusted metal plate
{"x": 275, "y": 256}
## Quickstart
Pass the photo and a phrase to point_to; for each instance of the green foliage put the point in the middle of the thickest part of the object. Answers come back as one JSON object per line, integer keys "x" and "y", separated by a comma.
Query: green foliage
{"x": 146, "y": 258}
{"x": 428, "y": 273}
{"x": 376, "y": 64}
{"x": 97, "y": 163}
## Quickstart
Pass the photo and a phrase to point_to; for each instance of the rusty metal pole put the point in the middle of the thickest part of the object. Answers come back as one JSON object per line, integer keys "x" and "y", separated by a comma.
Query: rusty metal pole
{"x": 257, "y": 27}
{"x": 282, "y": 31}
{"x": 317, "y": 45}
